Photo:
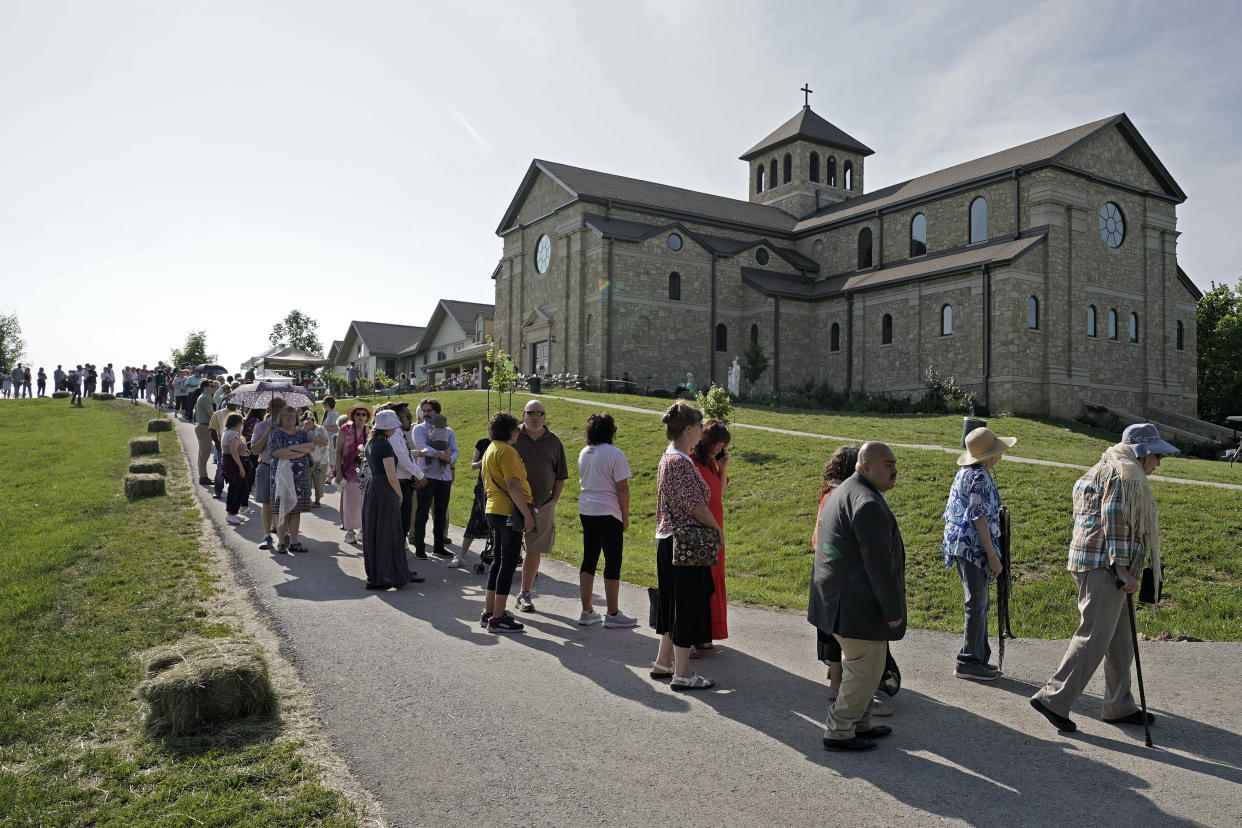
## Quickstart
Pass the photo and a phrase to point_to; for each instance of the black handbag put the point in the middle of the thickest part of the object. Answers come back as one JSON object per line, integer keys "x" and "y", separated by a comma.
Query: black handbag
{"x": 517, "y": 523}
{"x": 693, "y": 544}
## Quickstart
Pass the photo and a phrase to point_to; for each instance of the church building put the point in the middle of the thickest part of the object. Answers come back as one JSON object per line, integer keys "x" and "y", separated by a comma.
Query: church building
{"x": 1042, "y": 277}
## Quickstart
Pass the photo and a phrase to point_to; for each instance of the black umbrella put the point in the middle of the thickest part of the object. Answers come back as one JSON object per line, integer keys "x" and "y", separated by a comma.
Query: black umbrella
{"x": 211, "y": 368}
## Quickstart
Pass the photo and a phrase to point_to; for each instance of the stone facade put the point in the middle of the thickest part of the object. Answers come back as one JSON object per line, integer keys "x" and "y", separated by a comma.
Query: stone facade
{"x": 619, "y": 297}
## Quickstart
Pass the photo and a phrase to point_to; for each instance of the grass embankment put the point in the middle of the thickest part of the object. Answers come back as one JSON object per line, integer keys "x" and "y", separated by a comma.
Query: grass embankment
{"x": 86, "y": 581}
{"x": 770, "y": 512}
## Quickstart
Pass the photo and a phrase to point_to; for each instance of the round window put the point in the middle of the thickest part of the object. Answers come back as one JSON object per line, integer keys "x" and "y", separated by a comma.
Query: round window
{"x": 761, "y": 256}
{"x": 1112, "y": 225}
{"x": 543, "y": 254}
{"x": 674, "y": 242}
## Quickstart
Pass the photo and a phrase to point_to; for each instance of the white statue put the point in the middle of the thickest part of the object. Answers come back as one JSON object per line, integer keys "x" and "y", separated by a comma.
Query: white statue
{"x": 735, "y": 378}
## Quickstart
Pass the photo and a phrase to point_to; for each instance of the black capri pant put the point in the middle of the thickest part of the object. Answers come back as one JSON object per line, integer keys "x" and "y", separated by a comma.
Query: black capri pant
{"x": 602, "y": 532}
{"x": 508, "y": 543}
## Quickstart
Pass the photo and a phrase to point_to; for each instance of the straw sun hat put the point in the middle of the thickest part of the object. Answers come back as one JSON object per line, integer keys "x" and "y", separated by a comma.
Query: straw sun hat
{"x": 349, "y": 415}
{"x": 982, "y": 444}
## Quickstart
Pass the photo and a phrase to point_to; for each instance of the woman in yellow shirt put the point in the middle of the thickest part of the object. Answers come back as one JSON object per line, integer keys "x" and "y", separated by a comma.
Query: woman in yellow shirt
{"x": 509, "y": 513}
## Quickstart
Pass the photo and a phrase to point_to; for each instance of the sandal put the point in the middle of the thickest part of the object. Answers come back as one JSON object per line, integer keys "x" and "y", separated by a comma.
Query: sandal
{"x": 282, "y": 549}
{"x": 694, "y": 682}
{"x": 297, "y": 547}
{"x": 659, "y": 671}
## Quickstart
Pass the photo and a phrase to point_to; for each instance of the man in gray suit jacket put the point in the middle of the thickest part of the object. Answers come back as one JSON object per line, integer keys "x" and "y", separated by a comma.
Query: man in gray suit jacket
{"x": 858, "y": 592}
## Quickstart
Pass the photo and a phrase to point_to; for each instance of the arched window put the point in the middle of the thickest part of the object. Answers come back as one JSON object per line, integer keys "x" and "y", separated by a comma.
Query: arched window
{"x": 886, "y": 330}
{"x": 847, "y": 175}
{"x": 1090, "y": 320}
{"x": 830, "y": 175}
{"x": 1112, "y": 324}
{"x": 835, "y": 338}
{"x": 817, "y": 249}
{"x": 864, "y": 248}
{"x": 788, "y": 169}
{"x": 674, "y": 286}
{"x": 754, "y": 334}
{"x": 590, "y": 329}
{"x": 1032, "y": 313}
{"x": 759, "y": 179}
{"x": 722, "y": 338}
{"x": 772, "y": 174}
{"x": 1181, "y": 336}
{"x": 918, "y": 235}
{"x": 1134, "y": 327}
{"x": 815, "y": 167}
{"x": 946, "y": 320}
{"x": 979, "y": 220}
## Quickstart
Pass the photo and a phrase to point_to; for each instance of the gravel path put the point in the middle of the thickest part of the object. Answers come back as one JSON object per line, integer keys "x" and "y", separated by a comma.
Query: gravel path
{"x": 449, "y": 725}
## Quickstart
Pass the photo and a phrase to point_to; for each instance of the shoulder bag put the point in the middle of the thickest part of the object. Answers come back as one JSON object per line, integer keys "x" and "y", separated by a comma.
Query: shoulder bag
{"x": 693, "y": 544}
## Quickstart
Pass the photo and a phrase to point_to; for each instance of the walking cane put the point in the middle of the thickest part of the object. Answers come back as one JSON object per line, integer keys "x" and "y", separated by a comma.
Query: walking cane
{"x": 1002, "y": 588}
{"x": 1138, "y": 666}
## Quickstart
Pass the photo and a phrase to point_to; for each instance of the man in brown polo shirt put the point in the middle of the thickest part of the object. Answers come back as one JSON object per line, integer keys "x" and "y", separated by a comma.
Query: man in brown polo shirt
{"x": 546, "y": 471}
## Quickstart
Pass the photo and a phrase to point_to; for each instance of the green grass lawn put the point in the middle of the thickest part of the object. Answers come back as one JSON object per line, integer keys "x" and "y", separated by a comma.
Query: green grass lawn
{"x": 87, "y": 580}
{"x": 770, "y": 512}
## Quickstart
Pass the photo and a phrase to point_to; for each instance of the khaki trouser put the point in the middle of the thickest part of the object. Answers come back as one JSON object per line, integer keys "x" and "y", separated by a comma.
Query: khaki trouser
{"x": 540, "y": 541}
{"x": 1103, "y": 635}
{"x": 204, "y": 447}
{"x": 862, "y": 667}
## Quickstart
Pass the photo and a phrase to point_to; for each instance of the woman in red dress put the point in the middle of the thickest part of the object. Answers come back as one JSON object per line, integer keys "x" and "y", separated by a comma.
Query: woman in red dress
{"x": 711, "y": 457}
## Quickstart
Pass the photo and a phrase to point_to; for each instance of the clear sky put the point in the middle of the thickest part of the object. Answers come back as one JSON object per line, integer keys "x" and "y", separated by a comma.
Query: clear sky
{"x": 172, "y": 166}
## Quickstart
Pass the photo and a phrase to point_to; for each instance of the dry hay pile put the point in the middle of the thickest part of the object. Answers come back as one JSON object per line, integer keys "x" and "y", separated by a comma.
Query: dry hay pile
{"x": 159, "y": 424}
{"x": 147, "y": 467}
{"x": 102, "y": 395}
{"x": 201, "y": 684}
{"x": 61, "y": 395}
{"x": 138, "y": 486}
{"x": 143, "y": 445}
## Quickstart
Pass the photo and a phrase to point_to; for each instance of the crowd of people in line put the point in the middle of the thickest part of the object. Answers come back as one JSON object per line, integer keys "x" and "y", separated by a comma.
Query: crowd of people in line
{"x": 395, "y": 468}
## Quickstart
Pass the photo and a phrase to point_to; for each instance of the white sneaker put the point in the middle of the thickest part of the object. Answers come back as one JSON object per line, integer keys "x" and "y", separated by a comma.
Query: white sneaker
{"x": 456, "y": 563}
{"x": 350, "y": 537}
{"x": 233, "y": 519}
{"x": 586, "y": 619}
{"x": 619, "y": 620}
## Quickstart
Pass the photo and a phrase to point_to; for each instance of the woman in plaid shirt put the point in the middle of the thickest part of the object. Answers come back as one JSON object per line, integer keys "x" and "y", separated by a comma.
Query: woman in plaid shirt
{"x": 1115, "y": 536}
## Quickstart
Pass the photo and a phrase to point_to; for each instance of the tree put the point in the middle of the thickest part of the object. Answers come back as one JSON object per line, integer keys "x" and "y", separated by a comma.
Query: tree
{"x": 500, "y": 375}
{"x": 12, "y": 346}
{"x": 754, "y": 363}
{"x": 297, "y": 330}
{"x": 1219, "y": 324}
{"x": 194, "y": 352}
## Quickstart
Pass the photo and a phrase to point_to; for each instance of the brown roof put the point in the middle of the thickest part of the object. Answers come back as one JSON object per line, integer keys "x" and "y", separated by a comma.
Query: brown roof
{"x": 635, "y": 231}
{"x": 465, "y": 312}
{"x": 995, "y": 253}
{"x": 808, "y": 126}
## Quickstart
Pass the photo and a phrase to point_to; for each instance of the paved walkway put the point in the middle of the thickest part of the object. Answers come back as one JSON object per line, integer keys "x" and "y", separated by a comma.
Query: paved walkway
{"x": 449, "y": 725}
{"x": 920, "y": 446}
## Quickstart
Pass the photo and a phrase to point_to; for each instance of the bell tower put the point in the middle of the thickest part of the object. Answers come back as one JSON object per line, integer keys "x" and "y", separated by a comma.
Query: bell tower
{"x": 806, "y": 164}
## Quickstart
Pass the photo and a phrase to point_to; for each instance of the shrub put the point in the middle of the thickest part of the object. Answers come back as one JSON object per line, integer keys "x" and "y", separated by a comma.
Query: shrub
{"x": 143, "y": 445}
{"x": 338, "y": 386}
{"x": 716, "y": 403}
{"x": 200, "y": 684}
{"x": 138, "y": 486}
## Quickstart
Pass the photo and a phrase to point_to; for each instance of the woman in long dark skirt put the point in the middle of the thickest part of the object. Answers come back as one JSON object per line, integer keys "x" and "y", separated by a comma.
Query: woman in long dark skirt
{"x": 383, "y": 542}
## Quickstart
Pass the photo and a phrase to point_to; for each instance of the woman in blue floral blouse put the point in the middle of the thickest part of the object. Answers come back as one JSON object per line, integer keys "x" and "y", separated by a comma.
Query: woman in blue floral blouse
{"x": 972, "y": 543}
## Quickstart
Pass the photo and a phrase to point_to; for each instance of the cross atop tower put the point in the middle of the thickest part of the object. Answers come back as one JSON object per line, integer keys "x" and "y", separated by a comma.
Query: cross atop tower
{"x": 806, "y": 90}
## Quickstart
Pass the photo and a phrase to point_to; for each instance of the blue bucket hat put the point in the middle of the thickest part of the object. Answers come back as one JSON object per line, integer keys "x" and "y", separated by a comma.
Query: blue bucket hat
{"x": 1144, "y": 439}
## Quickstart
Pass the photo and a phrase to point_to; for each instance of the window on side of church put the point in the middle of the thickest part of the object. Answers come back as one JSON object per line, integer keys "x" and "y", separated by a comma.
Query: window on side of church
{"x": 886, "y": 330}
{"x": 918, "y": 235}
{"x": 815, "y": 167}
{"x": 1090, "y": 320}
{"x": 754, "y": 334}
{"x": 722, "y": 338}
{"x": 847, "y": 175}
{"x": 979, "y": 220}
{"x": 674, "y": 286}
{"x": 788, "y": 169}
{"x": 835, "y": 338}
{"x": 772, "y": 174}
{"x": 864, "y": 248}
{"x": 1181, "y": 336}
{"x": 1032, "y": 313}
{"x": 1112, "y": 324}
{"x": 830, "y": 175}
{"x": 1134, "y": 327}
{"x": 946, "y": 320}
{"x": 759, "y": 179}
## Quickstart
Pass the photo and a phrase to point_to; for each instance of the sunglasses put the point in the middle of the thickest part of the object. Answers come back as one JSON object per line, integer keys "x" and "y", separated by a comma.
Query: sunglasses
{"x": 537, "y": 413}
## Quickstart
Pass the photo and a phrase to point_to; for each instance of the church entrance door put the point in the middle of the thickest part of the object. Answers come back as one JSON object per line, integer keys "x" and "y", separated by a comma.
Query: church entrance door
{"x": 539, "y": 357}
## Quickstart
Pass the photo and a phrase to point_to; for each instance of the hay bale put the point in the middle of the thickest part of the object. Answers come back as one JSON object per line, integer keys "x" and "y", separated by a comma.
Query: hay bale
{"x": 143, "y": 445}
{"x": 138, "y": 486}
{"x": 160, "y": 424}
{"x": 147, "y": 467}
{"x": 200, "y": 684}
{"x": 61, "y": 395}
{"x": 100, "y": 395}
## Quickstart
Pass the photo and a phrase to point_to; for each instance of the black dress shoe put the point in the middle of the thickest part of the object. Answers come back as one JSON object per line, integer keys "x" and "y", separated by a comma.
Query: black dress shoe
{"x": 440, "y": 550}
{"x": 420, "y": 554}
{"x": 875, "y": 732}
{"x": 1133, "y": 718}
{"x": 1058, "y": 721}
{"x": 854, "y": 744}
